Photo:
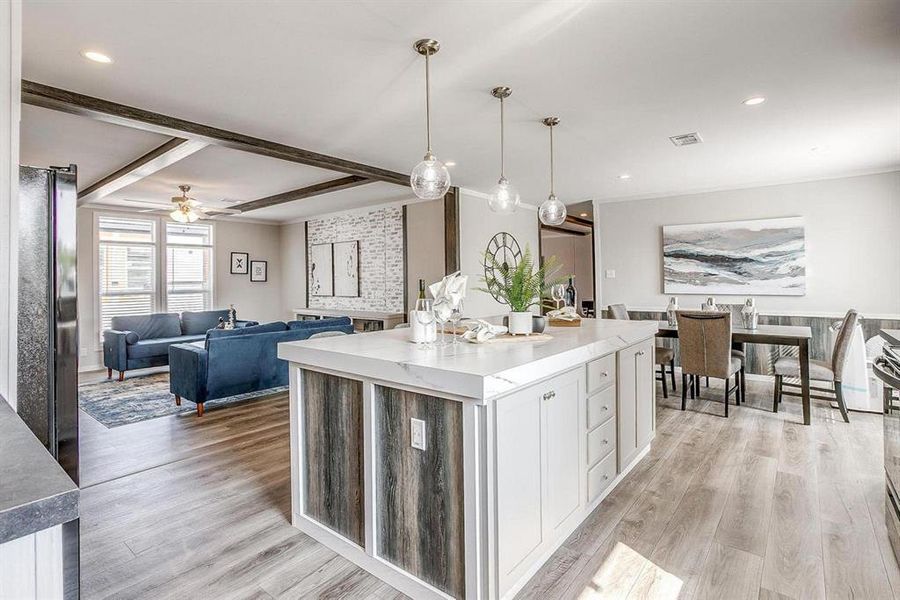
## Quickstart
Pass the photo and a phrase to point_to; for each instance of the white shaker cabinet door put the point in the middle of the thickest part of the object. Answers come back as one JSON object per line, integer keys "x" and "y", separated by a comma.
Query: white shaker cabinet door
{"x": 519, "y": 484}
{"x": 563, "y": 435}
{"x": 636, "y": 403}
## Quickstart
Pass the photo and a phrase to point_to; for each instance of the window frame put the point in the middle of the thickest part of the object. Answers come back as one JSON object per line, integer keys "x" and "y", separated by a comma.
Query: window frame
{"x": 160, "y": 273}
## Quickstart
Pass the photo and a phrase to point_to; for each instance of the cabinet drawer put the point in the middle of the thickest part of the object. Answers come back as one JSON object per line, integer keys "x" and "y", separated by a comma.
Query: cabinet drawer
{"x": 601, "y": 373}
{"x": 601, "y": 442}
{"x": 600, "y": 407}
{"x": 601, "y": 476}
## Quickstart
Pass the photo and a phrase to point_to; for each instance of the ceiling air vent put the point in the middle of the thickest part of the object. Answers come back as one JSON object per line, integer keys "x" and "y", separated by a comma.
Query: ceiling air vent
{"x": 686, "y": 139}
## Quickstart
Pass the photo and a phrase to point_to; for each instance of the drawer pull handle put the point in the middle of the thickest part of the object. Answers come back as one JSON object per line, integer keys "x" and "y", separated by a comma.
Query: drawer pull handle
{"x": 640, "y": 353}
{"x": 549, "y": 395}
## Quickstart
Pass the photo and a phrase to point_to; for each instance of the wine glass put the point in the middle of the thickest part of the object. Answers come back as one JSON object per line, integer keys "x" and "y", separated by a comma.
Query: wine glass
{"x": 455, "y": 317}
{"x": 558, "y": 291}
{"x": 425, "y": 317}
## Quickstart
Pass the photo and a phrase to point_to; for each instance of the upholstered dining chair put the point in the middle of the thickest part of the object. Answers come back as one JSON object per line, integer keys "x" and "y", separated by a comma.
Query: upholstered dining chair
{"x": 705, "y": 342}
{"x": 819, "y": 370}
{"x": 663, "y": 357}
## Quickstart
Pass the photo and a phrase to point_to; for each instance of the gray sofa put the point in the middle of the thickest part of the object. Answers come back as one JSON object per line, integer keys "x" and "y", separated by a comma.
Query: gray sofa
{"x": 141, "y": 341}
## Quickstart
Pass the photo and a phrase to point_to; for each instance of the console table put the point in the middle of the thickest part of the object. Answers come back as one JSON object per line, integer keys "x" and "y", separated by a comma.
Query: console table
{"x": 363, "y": 320}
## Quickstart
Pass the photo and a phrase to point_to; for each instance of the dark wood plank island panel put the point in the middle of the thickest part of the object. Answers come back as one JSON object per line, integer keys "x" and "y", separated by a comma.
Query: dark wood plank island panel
{"x": 419, "y": 494}
{"x": 333, "y": 435}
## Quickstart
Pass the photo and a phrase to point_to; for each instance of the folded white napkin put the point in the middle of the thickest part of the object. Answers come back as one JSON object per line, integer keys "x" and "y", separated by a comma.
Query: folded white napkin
{"x": 481, "y": 331}
{"x": 447, "y": 293}
{"x": 566, "y": 313}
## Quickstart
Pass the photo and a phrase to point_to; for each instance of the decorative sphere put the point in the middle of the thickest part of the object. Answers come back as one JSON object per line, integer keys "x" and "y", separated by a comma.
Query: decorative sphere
{"x": 430, "y": 179}
{"x": 552, "y": 211}
{"x": 504, "y": 198}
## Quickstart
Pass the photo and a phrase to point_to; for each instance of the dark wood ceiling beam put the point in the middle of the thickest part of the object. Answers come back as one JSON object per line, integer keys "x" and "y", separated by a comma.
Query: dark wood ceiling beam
{"x": 342, "y": 183}
{"x": 37, "y": 94}
{"x": 159, "y": 158}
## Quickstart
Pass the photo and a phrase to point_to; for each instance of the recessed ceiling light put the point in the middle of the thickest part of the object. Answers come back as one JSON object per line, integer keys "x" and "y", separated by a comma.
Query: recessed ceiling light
{"x": 814, "y": 149}
{"x": 754, "y": 101}
{"x": 624, "y": 176}
{"x": 95, "y": 56}
{"x": 450, "y": 163}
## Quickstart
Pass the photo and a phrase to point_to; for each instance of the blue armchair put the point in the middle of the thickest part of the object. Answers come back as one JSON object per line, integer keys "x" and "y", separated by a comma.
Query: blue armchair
{"x": 137, "y": 342}
{"x": 235, "y": 362}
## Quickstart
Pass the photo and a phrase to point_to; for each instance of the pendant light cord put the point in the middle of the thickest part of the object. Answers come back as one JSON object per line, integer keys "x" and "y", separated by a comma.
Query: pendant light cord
{"x": 502, "y": 151}
{"x": 428, "y": 102}
{"x": 551, "y": 161}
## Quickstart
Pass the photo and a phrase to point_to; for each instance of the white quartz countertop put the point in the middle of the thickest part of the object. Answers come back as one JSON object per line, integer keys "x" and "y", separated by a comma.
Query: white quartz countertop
{"x": 477, "y": 371}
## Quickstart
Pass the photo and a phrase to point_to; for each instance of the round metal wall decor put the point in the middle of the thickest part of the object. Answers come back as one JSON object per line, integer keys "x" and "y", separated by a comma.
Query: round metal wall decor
{"x": 506, "y": 251}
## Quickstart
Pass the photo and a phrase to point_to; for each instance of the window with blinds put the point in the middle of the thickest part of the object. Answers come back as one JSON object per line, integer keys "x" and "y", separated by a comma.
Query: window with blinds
{"x": 147, "y": 265}
{"x": 126, "y": 267}
{"x": 189, "y": 248}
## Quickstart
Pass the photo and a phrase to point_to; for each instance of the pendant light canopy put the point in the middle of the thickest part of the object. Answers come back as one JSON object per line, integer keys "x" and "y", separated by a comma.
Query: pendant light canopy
{"x": 551, "y": 210}
{"x": 430, "y": 179}
{"x": 504, "y": 198}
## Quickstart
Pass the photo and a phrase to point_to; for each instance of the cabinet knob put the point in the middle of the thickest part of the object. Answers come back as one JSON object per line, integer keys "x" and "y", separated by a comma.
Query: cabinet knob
{"x": 604, "y": 374}
{"x": 640, "y": 353}
{"x": 549, "y": 395}
{"x": 605, "y": 407}
{"x": 605, "y": 442}
{"x": 605, "y": 477}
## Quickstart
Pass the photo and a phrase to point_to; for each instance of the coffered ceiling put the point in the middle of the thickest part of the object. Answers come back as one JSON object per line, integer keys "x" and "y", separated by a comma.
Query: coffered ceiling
{"x": 341, "y": 78}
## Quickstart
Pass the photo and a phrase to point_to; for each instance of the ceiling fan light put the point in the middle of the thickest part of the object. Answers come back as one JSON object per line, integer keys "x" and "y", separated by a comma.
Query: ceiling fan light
{"x": 178, "y": 215}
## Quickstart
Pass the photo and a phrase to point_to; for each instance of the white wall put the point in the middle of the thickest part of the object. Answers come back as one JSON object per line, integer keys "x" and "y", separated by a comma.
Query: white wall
{"x": 477, "y": 225}
{"x": 258, "y": 301}
{"x": 424, "y": 246}
{"x": 293, "y": 268}
{"x": 852, "y": 243}
{"x": 10, "y": 75}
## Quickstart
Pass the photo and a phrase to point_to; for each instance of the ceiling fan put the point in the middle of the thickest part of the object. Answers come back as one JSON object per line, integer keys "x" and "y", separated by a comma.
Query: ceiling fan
{"x": 186, "y": 209}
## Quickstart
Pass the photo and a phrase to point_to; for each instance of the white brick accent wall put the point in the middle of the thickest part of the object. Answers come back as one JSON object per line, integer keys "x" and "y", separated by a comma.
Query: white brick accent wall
{"x": 380, "y": 235}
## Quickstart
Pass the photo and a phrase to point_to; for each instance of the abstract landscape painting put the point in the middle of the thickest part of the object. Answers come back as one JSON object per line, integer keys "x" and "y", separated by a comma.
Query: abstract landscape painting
{"x": 765, "y": 257}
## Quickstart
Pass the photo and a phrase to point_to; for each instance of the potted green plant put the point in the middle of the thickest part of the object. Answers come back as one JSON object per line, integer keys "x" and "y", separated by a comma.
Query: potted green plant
{"x": 520, "y": 287}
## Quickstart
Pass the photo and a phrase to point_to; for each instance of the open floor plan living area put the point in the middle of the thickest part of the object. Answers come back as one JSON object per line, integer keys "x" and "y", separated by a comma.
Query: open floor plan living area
{"x": 449, "y": 300}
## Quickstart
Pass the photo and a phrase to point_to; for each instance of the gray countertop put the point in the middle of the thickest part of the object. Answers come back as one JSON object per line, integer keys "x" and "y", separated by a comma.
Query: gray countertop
{"x": 35, "y": 492}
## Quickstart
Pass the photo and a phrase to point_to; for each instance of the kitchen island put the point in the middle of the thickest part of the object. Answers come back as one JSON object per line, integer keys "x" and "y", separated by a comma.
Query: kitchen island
{"x": 456, "y": 472}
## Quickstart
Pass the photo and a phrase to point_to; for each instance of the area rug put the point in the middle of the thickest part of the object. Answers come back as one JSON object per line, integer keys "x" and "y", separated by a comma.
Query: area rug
{"x": 115, "y": 403}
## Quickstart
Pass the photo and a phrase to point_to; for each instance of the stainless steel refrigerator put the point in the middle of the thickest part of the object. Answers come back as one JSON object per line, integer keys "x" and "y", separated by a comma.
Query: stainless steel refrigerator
{"x": 47, "y": 380}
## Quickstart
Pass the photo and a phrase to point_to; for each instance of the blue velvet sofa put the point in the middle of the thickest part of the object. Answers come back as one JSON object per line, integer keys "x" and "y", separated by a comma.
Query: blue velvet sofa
{"x": 137, "y": 342}
{"x": 234, "y": 362}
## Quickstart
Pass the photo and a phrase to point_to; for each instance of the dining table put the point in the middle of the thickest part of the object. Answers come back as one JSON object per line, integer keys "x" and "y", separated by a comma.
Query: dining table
{"x": 779, "y": 335}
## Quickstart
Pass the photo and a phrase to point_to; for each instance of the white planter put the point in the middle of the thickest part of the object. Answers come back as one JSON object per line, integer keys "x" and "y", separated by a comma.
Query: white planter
{"x": 520, "y": 323}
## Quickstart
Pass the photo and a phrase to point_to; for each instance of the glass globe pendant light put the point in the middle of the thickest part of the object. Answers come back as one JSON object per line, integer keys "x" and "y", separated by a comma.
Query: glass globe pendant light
{"x": 552, "y": 211}
{"x": 504, "y": 198}
{"x": 430, "y": 179}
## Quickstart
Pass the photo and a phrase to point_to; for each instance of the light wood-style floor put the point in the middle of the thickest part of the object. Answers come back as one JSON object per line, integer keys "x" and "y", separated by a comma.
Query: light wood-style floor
{"x": 755, "y": 506}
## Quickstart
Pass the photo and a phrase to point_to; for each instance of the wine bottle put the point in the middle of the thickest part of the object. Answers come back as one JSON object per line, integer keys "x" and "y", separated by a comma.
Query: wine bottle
{"x": 572, "y": 294}
{"x": 421, "y": 289}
